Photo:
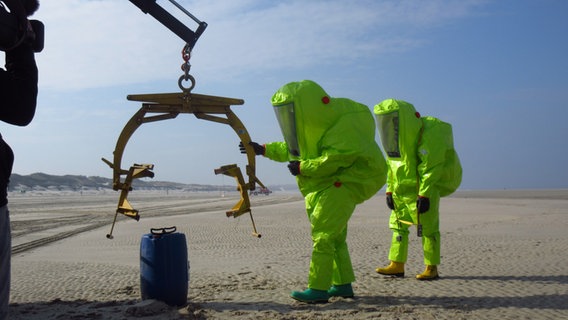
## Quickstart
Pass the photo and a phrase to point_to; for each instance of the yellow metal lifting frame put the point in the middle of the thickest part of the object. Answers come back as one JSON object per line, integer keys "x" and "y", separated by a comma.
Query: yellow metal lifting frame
{"x": 163, "y": 106}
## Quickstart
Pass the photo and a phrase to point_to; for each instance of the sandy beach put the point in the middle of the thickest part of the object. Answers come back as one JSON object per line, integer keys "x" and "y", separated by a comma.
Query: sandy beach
{"x": 504, "y": 256}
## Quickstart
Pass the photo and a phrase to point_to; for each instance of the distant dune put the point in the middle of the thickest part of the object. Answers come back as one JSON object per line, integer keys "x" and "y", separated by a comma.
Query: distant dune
{"x": 42, "y": 181}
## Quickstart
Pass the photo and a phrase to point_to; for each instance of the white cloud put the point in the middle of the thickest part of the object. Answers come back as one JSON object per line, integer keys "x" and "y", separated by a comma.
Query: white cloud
{"x": 99, "y": 43}
{"x": 109, "y": 42}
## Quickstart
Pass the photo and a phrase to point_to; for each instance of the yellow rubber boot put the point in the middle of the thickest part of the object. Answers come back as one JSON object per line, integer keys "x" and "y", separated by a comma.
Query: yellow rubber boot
{"x": 395, "y": 269}
{"x": 430, "y": 273}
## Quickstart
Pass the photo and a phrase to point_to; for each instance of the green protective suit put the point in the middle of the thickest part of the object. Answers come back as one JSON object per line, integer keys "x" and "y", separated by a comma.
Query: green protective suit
{"x": 341, "y": 166}
{"x": 421, "y": 162}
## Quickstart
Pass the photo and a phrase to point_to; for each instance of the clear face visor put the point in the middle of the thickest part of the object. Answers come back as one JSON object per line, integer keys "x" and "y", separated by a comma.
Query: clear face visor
{"x": 388, "y": 131}
{"x": 287, "y": 121}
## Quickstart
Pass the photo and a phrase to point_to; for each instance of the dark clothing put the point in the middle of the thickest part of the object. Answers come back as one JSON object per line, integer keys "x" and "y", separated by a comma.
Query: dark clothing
{"x": 18, "y": 95}
{"x": 6, "y": 162}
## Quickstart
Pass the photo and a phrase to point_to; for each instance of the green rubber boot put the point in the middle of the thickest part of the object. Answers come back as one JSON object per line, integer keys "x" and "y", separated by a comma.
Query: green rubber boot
{"x": 311, "y": 296}
{"x": 342, "y": 290}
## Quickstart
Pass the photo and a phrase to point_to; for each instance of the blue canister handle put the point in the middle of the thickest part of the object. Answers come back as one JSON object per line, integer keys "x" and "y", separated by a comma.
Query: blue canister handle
{"x": 162, "y": 231}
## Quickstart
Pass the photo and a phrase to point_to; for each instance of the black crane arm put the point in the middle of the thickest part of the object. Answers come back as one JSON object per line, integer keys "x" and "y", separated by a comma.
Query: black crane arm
{"x": 171, "y": 22}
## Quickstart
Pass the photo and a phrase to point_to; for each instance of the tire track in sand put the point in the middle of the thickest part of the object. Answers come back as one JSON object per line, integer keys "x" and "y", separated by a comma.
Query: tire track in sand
{"x": 171, "y": 206}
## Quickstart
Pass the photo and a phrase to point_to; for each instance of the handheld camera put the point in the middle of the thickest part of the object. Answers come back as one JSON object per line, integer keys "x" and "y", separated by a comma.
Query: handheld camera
{"x": 14, "y": 31}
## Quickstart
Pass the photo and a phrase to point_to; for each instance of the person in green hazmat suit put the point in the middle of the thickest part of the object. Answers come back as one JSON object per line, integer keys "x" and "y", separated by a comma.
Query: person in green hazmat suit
{"x": 422, "y": 167}
{"x": 330, "y": 147}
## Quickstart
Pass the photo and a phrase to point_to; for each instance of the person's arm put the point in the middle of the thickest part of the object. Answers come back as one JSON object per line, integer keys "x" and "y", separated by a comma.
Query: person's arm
{"x": 18, "y": 86}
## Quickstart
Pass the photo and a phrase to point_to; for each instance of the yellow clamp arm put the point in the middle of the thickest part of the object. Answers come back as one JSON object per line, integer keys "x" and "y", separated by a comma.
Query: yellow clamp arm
{"x": 243, "y": 206}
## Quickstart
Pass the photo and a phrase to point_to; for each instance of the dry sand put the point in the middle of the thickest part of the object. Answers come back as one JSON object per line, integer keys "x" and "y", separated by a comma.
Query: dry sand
{"x": 504, "y": 256}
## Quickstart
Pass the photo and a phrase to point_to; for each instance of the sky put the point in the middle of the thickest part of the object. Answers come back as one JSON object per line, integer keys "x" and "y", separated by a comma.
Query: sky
{"x": 495, "y": 69}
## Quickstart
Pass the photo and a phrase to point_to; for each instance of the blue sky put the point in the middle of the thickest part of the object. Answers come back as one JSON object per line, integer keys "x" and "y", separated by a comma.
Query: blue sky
{"x": 495, "y": 69}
